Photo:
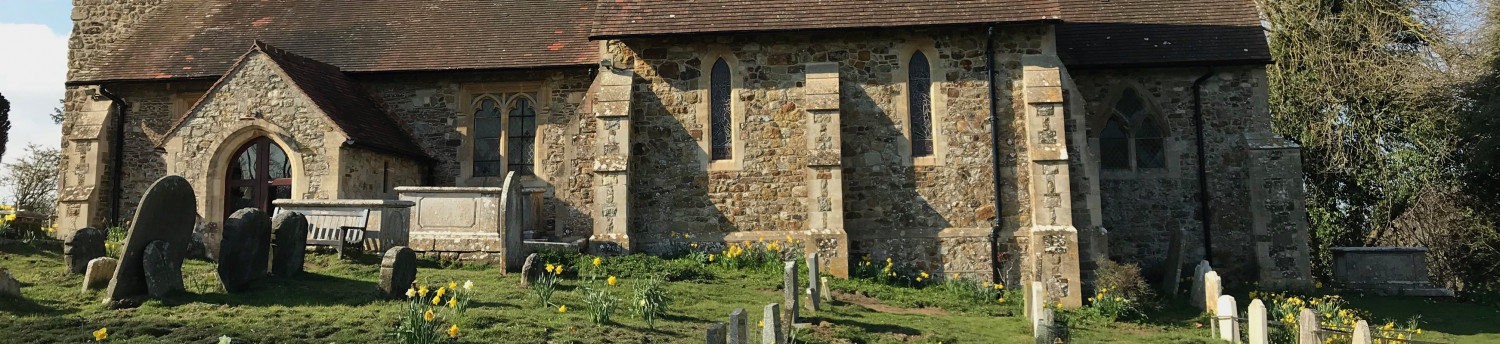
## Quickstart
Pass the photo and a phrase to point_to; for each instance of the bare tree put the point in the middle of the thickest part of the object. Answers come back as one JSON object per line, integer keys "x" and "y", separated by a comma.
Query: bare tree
{"x": 32, "y": 180}
{"x": 4, "y": 123}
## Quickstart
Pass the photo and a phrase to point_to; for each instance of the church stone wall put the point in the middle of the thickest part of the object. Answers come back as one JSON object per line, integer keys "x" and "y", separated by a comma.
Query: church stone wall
{"x": 366, "y": 174}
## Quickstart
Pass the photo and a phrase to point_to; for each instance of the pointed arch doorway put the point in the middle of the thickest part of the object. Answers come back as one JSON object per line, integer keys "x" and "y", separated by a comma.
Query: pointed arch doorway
{"x": 260, "y": 173}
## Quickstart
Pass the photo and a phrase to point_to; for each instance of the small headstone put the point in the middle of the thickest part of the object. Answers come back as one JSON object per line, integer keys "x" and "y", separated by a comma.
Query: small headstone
{"x": 398, "y": 269}
{"x": 167, "y": 212}
{"x": 98, "y": 273}
{"x": 529, "y": 273}
{"x": 1197, "y": 291}
{"x": 244, "y": 254}
{"x": 1226, "y": 310}
{"x": 1172, "y": 274}
{"x": 1037, "y": 301}
{"x": 290, "y": 231}
{"x": 1307, "y": 327}
{"x": 1259, "y": 333}
{"x": 196, "y": 247}
{"x": 1211, "y": 290}
{"x": 715, "y": 334}
{"x": 1362, "y": 333}
{"x": 81, "y": 247}
{"x": 9, "y": 286}
{"x": 814, "y": 300}
{"x": 789, "y": 292}
{"x": 770, "y": 330}
{"x": 738, "y": 330}
{"x": 823, "y": 286}
{"x": 1044, "y": 330}
{"x": 163, "y": 276}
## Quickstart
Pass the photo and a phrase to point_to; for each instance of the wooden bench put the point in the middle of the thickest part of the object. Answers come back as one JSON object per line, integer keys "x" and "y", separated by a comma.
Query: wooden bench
{"x": 336, "y": 227}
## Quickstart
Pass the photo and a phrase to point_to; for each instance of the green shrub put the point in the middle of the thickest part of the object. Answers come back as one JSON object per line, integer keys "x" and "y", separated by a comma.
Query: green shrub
{"x": 1125, "y": 281}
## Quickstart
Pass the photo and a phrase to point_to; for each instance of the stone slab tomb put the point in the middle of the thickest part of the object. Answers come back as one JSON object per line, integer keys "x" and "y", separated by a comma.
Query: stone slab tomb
{"x": 167, "y": 212}
{"x": 163, "y": 275}
{"x": 1385, "y": 271}
{"x": 470, "y": 223}
{"x": 98, "y": 273}
{"x": 290, "y": 243}
{"x": 83, "y": 246}
{"x": 398, "y": 270}
{"x": 245, "y": 252}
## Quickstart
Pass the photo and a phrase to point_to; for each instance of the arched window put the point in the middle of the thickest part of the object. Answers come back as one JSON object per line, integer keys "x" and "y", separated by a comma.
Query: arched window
{"x": 1132, "y": 137}
{"x": 721, "y": 129}
{"x": 487, "y": 130}
{"x": 919, "y": 102}
{"x": 522, "y": 135}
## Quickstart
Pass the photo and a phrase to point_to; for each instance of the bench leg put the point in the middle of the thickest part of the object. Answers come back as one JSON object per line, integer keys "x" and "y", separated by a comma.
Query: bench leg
{"x": 340, "y": 249}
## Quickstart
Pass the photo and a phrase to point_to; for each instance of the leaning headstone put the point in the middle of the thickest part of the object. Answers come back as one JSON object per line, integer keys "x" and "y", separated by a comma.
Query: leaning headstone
{"x": 738, "y": 330}
{"x": 246, "y": 249}
{"x": 813, "y": 298}
{"x": 1229, "y": 327}
{"x": 1044, "y": 329}
{"x": 290, "y": 231}
{"x": 1196, "y": 293}
{"x": 715, "y": 334}
{"x": 1211, "y": 290}
{"x": 1362, "y": 333}
{"x": 83, "y": 246}
{"x": 167, "y": 212}
{"x": 1172, "y": 274}
{"x": 529, "y": 273}
{"x": 823, "y": 286}
{"x": 1259, "y": 333}
{"x": 163, "y": 276}
{"x": 789, "y": 291}
{"x": 397, "y": 272}
{"x": 98, "y": 273}
{"x": 770, "y": 329}
{"x": 9, "y": 286}
{"x": 1307, "y": 327}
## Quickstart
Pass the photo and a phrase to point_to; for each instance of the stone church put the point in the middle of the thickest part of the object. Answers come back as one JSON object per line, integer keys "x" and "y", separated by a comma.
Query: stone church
{"x": 998, "y": 139}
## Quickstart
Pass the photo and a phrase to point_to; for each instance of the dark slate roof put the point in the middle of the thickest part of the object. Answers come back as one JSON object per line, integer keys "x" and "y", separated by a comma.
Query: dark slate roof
{"x": 202, "y": 38}
{"x": 1099, "y": 33}
{"x": 618, "y": 18}
{"x": 354, "y": 110}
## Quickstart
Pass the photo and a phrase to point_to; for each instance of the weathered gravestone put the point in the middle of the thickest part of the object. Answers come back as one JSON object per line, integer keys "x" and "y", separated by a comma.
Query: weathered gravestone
{"x": 1362, "y": 333}
{"x": 1045, "y": 328}
{"x": 9, "y": 286}
{"x": 290, "y": 229}
{"x": 715, "y": 334}
{"x": 1212, "y": 288}
{"x": 1258, "y": 327}
{"x": 789, "y": 293}
{"x": 1307, "y": 327}
{"x": 1227, "y": 310}
{"x": 738, "y": 333}
{"x": 1172, "y": 274}
{"x": 770, "y": 329}
{"x": 813, "y": 298}
{"x": 98, "y": 273}
{"x": 167, "y": 212}
{"x": 398, "y": 269}
{"x": 529, "y": 273}
{"x": 83, "y": 246}
{"x": 246, "y": 249}
{"x": 1196, "y": 292}
{"x": 163, "y": 276}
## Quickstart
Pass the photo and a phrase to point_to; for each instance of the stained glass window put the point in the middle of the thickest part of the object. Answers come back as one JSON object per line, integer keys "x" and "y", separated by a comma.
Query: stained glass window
{"x": 721, "y": 135}
{"x": 919, "y": 99}
{"x": 1133, "y": 137}
{"x": 522, "y": 135}
{"x": 487, "y": 130}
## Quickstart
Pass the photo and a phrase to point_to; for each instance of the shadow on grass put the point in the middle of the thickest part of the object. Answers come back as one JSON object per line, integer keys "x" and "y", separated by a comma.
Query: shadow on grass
{"x": 1436, "y": 314}
{"x": 307, "y": 289}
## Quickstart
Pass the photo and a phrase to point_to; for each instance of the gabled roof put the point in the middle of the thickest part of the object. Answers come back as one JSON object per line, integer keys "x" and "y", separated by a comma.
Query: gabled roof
{"x": 360, "y": 116}
{"x": 618, "y": 18}
{"x": 1160, "y": 32}
{"x": 201, "y": 38}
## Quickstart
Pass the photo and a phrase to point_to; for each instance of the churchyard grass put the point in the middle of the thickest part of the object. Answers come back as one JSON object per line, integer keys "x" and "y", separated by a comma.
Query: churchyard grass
{"x": 335, "y": 302}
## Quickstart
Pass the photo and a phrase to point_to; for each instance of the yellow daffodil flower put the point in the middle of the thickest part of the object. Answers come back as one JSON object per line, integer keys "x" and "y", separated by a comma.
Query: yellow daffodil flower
{"x": 453, "y": 331}
{"x": 710, "y": 257}
{"x": 422, "y": 291}
{"x": 442, "y": 291}
{"x": 999, "y": 286}
{"x": 437, "y": 300}
{"x": 693, "y": 245}
{"x": 1104, "y": 290}
{"x": 955, "y": 275}
{"x": 562, "y": 309}
{"x": 550, "y": 267}
{"x": 453, "y": 303}
{"x": 687, "y": 236}
{"x": 1002, "y": 300}
{"x": 1119, "y": 300}
{"x": 612, "y": 280}
{"x": 452, "y": 285}
{"x": 427, "y": 316}
{"x": 598, "y": 261}
{"x": 559, "y": 269}
{"x": 919, "y": 279}
{"x": 761, "y": 323}
{"x": 102, "y": 333}
{"x": 674, "y": 234}
{"x": 924, "y": 274}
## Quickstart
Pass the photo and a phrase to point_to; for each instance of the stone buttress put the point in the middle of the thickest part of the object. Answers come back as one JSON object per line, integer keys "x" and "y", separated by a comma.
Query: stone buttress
{"x": 1052, "y": 241}
{"x": 825, "y": 173}
{"x": 611, "y": 187}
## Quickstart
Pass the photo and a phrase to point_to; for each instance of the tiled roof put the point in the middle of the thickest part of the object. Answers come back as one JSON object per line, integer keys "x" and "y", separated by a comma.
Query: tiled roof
{"x": 202, "y": 38}
{"x": 655, "y": 17}
{"x": 1160, "y": 32}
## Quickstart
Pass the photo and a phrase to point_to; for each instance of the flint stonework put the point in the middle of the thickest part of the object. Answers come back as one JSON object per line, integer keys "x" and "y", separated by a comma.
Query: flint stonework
{"x": 167, "y": 212}
{"x": 83, "y": 246}
{"x": 290, "y": 230}
{"x": 398, "y": 269}
{"x": 163, "y": 276}
{"x": 244, "y": 254}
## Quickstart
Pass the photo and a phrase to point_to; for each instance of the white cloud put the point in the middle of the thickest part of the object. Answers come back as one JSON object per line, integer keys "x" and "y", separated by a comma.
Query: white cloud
{"x": 33, "y": 68}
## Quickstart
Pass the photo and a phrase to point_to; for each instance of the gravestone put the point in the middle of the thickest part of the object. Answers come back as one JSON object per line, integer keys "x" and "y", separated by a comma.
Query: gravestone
{"x": 9, "y": 286}
{"x": 290, "y": 231}
{"x": 98, "y": 273}
{"x": 1259, "y": 333}
{"x": 823, "y": 286}
{"x": 1226, "y": 310}
{"x": 813, "y": 293}
{"x": 398, "y": 269}
{"x": 789, "y": 292}
{"x": 163, "y": 276}
{"x": 1362, "y": 333}
{"x": 770, "y": 330}
{"x": 167, "y": 212}
{"x": 1037, "y": 301}
{"x": 738, "y": 332}
{"x": 1196, "y": 293}
{"x": 1307, "y": 327}
{"x": 529, "y": 273}
{"x": 1044, "y": 330}
{"x": 715, "y": 334}
{"x": 1211, "y": 290}
{"x": 1172, "y": 274}
{"x": 82, "y": 247}
{"x": 244, "y": 254}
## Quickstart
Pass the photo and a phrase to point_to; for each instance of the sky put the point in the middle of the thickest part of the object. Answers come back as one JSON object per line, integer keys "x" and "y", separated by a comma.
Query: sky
{"x": 33, "y": 67}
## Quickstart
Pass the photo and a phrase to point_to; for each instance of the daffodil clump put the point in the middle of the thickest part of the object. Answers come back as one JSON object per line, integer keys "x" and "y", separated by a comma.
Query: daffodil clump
{"x": 972, "y": 290}
{"x": 546, "y": 284}
{"x": 1110, "y": 304}
{"x": 651, "y": 300}
{"x": 1334, "y": 317}
{"x": 888, "y": 273}
{"x": 115, "y": 241}
{"x": 420, "y": 323}
{"x": 759, "y": 254}
{"x": 600, "y": 300}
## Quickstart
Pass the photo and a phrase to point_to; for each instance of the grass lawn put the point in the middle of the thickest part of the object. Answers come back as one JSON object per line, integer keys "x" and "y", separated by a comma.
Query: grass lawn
{"x": 334, "y": 303}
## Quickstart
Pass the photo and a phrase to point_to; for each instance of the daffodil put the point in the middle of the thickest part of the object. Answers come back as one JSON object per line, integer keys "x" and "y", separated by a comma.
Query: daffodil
{"x": 453, "y": 331}
{"x": 562, "y": 309}
{"x": 1002, "y": 300}
{"x": 442, "y": 291}
{"x": 1119, "y": 300}
{"x": 761, "y": 323}
{"x": 999, "y": 286}
{"x": 612, "y": 280}
{"x": 437, "y": 300}
{"x": 410, "y": 292}
{"x": 452, "y": 285}
{"x": 453, "y": 303}
{"x": 687, "y": 236}
{"x": 427, "y": 316}
{"x": 955, "y": 275}
{"x": 550, "y": 267}
{"x": 919, "y": 279}
{"x": 559, "y": 269}
{"x": 598, "y": 261}
{"x": 924, "y": 275}
{"x": 693, "y": 245}
{"x": 101, "y": 334}
{"x": 468, "y": 285}
{"x": 710, "y": 257}
{"x": 422, "y": 291}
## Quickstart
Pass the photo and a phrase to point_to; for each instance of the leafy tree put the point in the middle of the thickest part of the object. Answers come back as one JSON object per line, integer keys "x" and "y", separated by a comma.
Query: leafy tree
{"x": 4, "y": 124}
{"x": 33, "y": 179}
